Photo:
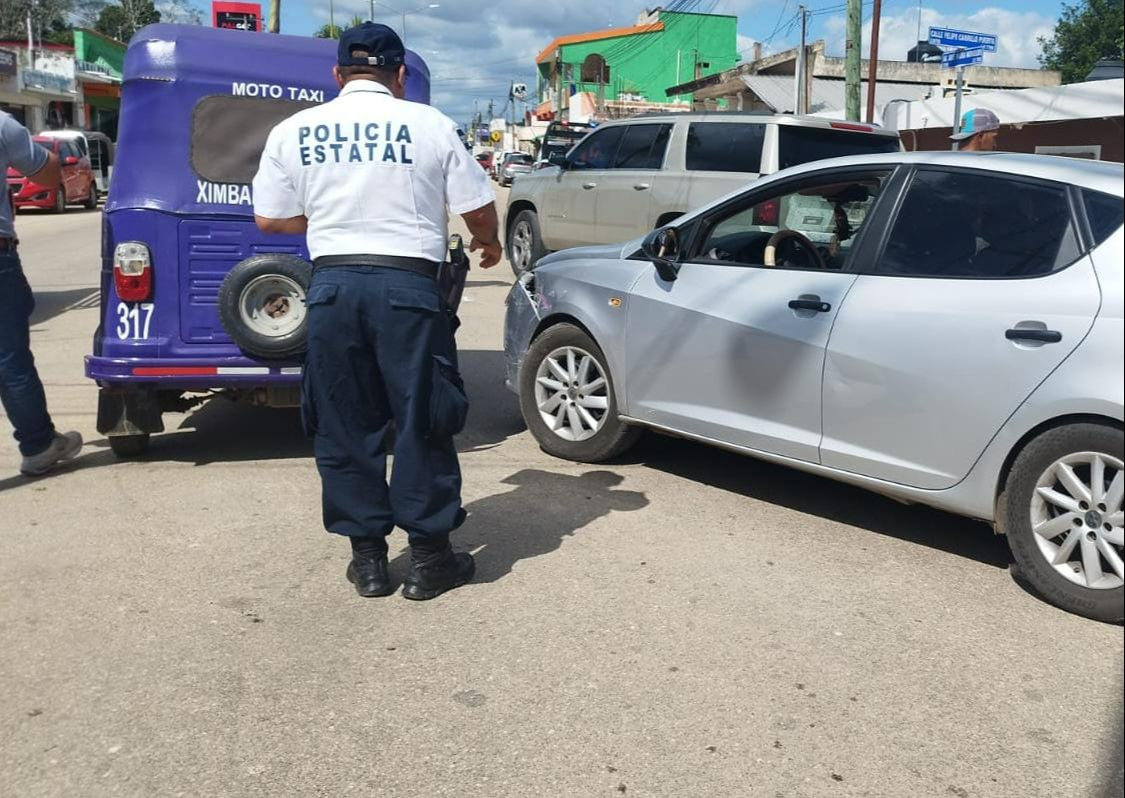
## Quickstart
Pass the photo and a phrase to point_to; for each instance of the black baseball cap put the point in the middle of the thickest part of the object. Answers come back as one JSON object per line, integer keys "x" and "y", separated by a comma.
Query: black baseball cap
{"x": 370, "y": 44}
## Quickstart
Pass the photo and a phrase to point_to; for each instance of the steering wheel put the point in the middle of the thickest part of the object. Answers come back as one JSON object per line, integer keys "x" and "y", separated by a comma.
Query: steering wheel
{"x": 807, "y": 246}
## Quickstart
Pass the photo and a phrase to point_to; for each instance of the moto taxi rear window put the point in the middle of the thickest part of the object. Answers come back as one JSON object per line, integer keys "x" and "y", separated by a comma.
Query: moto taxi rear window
{"x": 228, "y": 134}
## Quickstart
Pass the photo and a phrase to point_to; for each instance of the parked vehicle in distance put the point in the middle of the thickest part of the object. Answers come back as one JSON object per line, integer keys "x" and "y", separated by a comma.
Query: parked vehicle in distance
{"x": 485, "y": 160}
{"x": 630, "y": 176}
{"x": 942, "y": 328}
{"x": 95, "y": 146}
{"x": 76, "y": 185}
{"x": 517, "y": 163}
{"x": 558, "y": 140}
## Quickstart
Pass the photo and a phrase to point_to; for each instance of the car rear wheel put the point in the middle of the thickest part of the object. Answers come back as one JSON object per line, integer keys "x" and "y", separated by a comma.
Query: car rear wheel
{"x": 262, "y": 305}
{"x": 91, "y": 202}
{"x": 567, "y": 398}
{"x": 525, "y": 244}
{"x": 1062, "y": 511}
{"x": 60, "y": 200}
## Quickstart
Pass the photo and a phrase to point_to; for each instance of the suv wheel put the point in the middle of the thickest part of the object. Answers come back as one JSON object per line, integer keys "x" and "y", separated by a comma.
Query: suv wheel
{"x": 1061, "y": 510}
{"x": 567, "y": 398}
{"x": 525, "y": 244}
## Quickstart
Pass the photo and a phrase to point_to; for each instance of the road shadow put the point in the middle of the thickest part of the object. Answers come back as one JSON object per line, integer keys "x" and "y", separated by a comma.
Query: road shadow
{"x": 488, "y": 283}
{"x": 49, "y": 304}
{"x": 814, "y": 495}
{"x": 533, "y": 519}
{"x": 494, "y": 411}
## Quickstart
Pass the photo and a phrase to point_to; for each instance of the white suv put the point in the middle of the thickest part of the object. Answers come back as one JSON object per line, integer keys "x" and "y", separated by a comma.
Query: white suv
{"x": 628, "y": 177}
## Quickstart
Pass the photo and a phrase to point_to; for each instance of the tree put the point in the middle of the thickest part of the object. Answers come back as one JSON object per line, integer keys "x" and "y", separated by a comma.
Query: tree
{"x": 1085, "y": 33}
{"x": 330, "y": 31}
{"x": 124, "y": 19}
{"x": 48, "y": 17}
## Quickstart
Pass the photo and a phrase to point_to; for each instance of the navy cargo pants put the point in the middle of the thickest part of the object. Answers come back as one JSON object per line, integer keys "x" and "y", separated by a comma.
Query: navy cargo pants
{"x": 380, "y": 350}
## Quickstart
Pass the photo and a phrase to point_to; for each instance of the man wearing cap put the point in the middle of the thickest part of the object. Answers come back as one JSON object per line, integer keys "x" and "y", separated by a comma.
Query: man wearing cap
{"x": 371, "y": 179}
{"x": 979, "y": 129}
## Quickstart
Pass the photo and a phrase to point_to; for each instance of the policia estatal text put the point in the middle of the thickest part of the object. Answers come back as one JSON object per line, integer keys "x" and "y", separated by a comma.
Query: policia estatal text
{"x": 370, "y": 178}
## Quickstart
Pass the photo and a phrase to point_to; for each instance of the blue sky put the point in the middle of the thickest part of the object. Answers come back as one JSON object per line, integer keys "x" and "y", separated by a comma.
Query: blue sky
{"x": 475, "y": 49}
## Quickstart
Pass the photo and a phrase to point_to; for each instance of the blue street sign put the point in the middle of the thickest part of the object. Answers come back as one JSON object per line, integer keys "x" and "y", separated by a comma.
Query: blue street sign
{"x": 964, "y": 39}
{"x": 958, "y": 58}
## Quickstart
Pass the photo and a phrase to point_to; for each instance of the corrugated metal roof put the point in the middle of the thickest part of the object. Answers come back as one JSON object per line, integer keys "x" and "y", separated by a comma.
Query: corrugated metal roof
{"x": 826, "y": 94}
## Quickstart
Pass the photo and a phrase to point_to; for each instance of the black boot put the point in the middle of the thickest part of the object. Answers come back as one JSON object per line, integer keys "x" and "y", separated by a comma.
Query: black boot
{"x": 436, "y": 568}
{"x": 368, "y": 568}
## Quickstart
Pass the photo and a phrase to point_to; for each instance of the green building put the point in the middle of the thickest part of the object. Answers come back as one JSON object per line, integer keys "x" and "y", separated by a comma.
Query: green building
{"x": 99, "y": 61}
{"x": 621, "y": 71}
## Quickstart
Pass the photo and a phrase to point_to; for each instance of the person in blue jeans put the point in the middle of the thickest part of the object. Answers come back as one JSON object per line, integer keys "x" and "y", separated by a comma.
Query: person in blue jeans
{"x": 21, "y": 390}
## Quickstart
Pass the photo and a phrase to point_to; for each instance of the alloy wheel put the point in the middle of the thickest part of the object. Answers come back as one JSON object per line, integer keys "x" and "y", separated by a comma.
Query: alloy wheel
{"x": 521, "y": 246}
{"x": 272, "y": 305}
{"x": 1076, "y": 516}
{"x": 572, "y": 394}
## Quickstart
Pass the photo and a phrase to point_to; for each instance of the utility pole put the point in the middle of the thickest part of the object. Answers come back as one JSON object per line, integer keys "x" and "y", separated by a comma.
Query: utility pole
{"x": 872, "y": 61}
{"x": 852, "y": 47}
{"x": 275, "y": 16}
{"x": 957, "y": 103}
{"x": 800, "y": 104}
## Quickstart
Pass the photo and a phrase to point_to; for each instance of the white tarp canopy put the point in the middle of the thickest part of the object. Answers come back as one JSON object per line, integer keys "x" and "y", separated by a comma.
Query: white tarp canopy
{"x": 1093, "y": 100}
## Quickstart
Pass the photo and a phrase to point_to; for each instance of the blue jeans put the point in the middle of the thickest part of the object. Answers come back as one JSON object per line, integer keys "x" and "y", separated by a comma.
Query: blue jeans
{"x": 20, "y": 388}
{"x": 381, "y": 352}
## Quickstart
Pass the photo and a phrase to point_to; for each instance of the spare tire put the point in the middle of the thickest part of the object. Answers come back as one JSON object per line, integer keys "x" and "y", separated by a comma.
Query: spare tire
{"x": 262, "y": 305}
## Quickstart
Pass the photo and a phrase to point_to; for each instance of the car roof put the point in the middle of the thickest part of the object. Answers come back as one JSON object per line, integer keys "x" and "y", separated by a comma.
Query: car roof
{"x": 1095, "y": 175}
{"x": 757, "y": 117}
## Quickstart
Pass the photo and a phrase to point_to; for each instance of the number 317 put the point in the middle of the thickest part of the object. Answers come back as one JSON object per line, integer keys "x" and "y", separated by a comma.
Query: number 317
{"x": 134, "y": 322}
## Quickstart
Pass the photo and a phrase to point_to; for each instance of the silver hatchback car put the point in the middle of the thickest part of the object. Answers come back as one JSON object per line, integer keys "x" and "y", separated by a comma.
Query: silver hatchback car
{"x": 943, "y": 328}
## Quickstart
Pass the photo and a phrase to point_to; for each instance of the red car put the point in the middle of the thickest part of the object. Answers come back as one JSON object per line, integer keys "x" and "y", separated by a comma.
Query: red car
{"x": 77, "y": 184}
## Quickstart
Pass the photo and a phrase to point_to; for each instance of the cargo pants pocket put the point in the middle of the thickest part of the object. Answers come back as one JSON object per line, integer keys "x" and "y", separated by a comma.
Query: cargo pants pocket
{"x": 449, "y": 406}
{"x": 318, "y": 294}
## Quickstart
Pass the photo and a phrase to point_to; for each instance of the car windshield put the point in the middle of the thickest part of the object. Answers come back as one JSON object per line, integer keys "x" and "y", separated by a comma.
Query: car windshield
{"x": 797, "y": 145}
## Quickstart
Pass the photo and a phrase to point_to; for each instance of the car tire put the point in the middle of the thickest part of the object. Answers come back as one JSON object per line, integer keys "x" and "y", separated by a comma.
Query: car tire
{"x": 262, "y": 305}
{"x": 599, "y": 435}
{"x": 91, "y": 202}
{"x": 525, "y": 243}
{"x": 1024, "y": 507}
{"x": 127, "y": 447}
{"x": 60, "y": 201}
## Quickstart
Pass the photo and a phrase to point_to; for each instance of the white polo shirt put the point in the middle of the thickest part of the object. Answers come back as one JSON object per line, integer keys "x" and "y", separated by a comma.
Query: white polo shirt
{"x": 374, "y": 175}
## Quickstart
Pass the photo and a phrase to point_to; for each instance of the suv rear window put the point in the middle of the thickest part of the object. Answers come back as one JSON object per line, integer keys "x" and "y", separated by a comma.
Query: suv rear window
{"x": 797, "y": 145}
{"x": 725, "y": 146}
{"x": 229, "y": 133}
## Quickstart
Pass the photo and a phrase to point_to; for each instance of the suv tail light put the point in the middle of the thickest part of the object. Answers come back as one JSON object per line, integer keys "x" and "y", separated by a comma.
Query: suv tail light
{"x": 132, "y": 272}
{"x": 766, "y": 213}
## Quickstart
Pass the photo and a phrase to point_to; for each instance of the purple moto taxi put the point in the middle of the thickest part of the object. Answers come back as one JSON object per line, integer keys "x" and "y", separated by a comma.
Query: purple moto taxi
{"x": 195, "y": 301}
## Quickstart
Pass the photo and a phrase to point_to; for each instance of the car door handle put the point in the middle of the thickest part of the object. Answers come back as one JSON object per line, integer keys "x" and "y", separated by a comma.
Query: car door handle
{"x": 641, "y": 186}
{"x": 810, "y": 303}
{"x": 1033, "y": 335}
{"x": 589, "y": 186}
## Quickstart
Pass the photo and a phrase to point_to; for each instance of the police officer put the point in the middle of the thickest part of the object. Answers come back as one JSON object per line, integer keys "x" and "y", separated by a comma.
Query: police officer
{"x": 370, "y": 178}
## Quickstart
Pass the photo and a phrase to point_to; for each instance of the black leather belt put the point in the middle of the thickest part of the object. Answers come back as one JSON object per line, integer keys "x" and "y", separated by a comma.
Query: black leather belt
{"x": 426, "y": 268}
{"x": 8, "y": 244}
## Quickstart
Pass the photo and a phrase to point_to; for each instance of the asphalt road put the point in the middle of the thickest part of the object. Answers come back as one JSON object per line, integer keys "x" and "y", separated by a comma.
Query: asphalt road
{"x": 683, "y": 623}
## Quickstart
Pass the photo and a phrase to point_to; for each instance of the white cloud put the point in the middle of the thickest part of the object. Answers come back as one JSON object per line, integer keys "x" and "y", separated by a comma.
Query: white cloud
{"x": 1017, "y": 32}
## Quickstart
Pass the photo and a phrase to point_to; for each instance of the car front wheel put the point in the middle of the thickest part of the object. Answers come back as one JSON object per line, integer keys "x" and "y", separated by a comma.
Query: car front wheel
{"x": 567, "y": 398}
{"x": 1061, "y": 509}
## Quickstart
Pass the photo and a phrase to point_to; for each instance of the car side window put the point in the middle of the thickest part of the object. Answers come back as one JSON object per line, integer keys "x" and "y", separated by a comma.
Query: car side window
{"x": 643, "y": 147}
{"x": 725, "y": 146}
{"x": 808, "y": 224}
{"x": 598, "y": 150}
{"x": 1104, "y": 212}
{"x": 962, "y": 224}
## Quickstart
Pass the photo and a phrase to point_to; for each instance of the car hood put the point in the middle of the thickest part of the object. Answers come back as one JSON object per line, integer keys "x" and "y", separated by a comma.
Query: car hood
{"x": 597, "y": 252}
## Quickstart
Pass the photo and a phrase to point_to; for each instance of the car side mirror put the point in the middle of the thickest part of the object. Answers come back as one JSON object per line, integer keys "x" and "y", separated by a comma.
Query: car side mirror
{"x": 69, "y": 160}
{"x": 558, "y": 159}
{"x": 662, "y": 247}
